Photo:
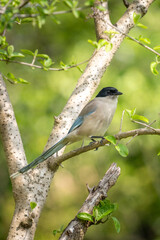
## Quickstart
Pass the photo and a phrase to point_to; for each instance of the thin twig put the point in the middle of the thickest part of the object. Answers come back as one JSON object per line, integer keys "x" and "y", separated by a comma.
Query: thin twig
{"x": 120, "y": 129}
{"x": 24, "y": 3}
{"x": 135, "y": 40}
{"x": 144, "y": 124}
{"x": 41, "y": 67}
{"x": 132, "y": 138}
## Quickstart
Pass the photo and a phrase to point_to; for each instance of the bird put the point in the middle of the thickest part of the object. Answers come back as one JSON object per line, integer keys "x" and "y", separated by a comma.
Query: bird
{"x": 92, "y": 122}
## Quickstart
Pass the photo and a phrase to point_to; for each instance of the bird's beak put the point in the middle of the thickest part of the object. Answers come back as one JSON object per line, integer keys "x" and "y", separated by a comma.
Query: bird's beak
{"x": 119, "y": 93}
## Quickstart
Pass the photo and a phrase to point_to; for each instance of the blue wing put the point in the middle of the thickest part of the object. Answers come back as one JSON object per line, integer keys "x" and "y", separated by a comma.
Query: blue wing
{"x": 79, "y": 120}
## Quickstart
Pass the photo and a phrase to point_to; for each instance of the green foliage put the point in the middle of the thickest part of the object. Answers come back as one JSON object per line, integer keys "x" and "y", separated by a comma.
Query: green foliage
{"x": 104, "y": 209}
{"x": 33, "y": 205}
{"x": 89, "y": 3}
{"x": 101, "y": 43}
{"x": 12, "y": 79}
{"x": 122, "y": 149}
{"x": 111, "y": 139}
{"x": 116, "y": 224}
{"x": 154, "y": 65}
{"x": 136, "y": 19}
{"x": 133, "y": 116}
{"x": 144, "y": 40}
{"x": 85, "y": 217}
{"x": 60, "y": 230}
{"x": 111, "y": 33}
{"x": 72, "y": 4}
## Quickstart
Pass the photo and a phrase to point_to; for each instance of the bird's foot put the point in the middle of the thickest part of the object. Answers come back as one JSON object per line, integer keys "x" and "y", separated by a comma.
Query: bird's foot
{"x": 93, "y": 140}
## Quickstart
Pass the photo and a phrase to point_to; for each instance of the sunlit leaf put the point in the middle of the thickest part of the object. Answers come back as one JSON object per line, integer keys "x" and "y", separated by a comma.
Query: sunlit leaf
{"x": 153, "y": 67}
{"x": 122, "y": 149}
{"x": 144, "y": 40}
{"x": 141, "y": 118}
{"x": 157, "y": 47}
{"x": 85, "y": 216}
{"x": 10, "y": 50}
{"x": 26, "y": 51}
{"x": 116, "y": 224}
{"x": 136, "y": 17}
{"x": 33, "y": 205}
{"x": 130, "y": 112}
{"x": 109, "y": 47}
{"x": 111, "y": 139}
{"x": 101, "y": 8}
{"x": 93, "y": 43}
{"x": 103, "y": 209}
{"x": 142, "y": 25}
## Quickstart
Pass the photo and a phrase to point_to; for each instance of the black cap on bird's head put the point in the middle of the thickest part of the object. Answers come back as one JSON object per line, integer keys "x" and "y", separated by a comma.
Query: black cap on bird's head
{"x": 108, "y": 91}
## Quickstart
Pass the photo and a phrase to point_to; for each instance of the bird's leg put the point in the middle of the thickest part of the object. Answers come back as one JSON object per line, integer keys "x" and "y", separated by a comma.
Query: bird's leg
{"x": 82, "y": 143}
{"x": 93, "y": 139}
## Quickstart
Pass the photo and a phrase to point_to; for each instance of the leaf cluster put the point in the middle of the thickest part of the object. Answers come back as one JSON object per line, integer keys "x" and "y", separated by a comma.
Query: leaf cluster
{"x": 103, "y": 210}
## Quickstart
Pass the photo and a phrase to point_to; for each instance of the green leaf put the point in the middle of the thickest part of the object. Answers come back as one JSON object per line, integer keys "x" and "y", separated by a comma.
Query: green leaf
{"x": 130, "y": 112}
{"x": 142, "y": 25}
{"x": 75, "y": 13}
{"x": 103, "y": 209}
{"x": 157, "y": 47}
{"x": 153, "y": 67}
{"x": 15, "y": 54}
{"x": 58, "y": 230}
{"x": 26, "y": 51}
{"x": 136, "y": 17}
{"x": 109, "y": 47}
{"x": 93, "y": 43}
{"x": 10, "y": 76}
{"x": 122, "y": 149}
{"x": 101, "y": 8}
{"x": 55, "y": 232}
{"x": 3, "y": 52}
{"x": 33, "y": 205}
{"x": 80, "y": 69}
{"x": 144, "y": 40}
{"x": 102, "y": 42}
{"x": 48, "y": 62}
{"x": 27, "y": 20}
{"x": 141, "y": 118}
{"x": 158, "y": 154}
{"x": 85, "y": 216}
{"x": 64, "y": 66}
{"x": 10, "y": 50}
{"x": 43, "y": 56}
{"x": 68, "y": 3}
{"x": 21, "y": 80}
{"x": 89, "y": 3}
{"x": 111, "y": 139}
{"x": 116, "y": 224}
{"x": 111, "y": 33}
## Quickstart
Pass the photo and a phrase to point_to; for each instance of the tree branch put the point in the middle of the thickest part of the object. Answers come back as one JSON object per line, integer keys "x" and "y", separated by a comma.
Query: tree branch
{"x": 121, "y": 135}
{"x": 77, "y": 228}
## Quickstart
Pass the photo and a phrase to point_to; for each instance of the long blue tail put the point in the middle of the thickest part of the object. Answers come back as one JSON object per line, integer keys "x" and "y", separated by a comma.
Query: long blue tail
{"x": 55, "y": 148}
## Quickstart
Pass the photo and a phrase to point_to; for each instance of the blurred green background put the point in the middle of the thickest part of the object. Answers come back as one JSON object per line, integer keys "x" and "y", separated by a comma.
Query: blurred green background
{"x": 137, "y": 191}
